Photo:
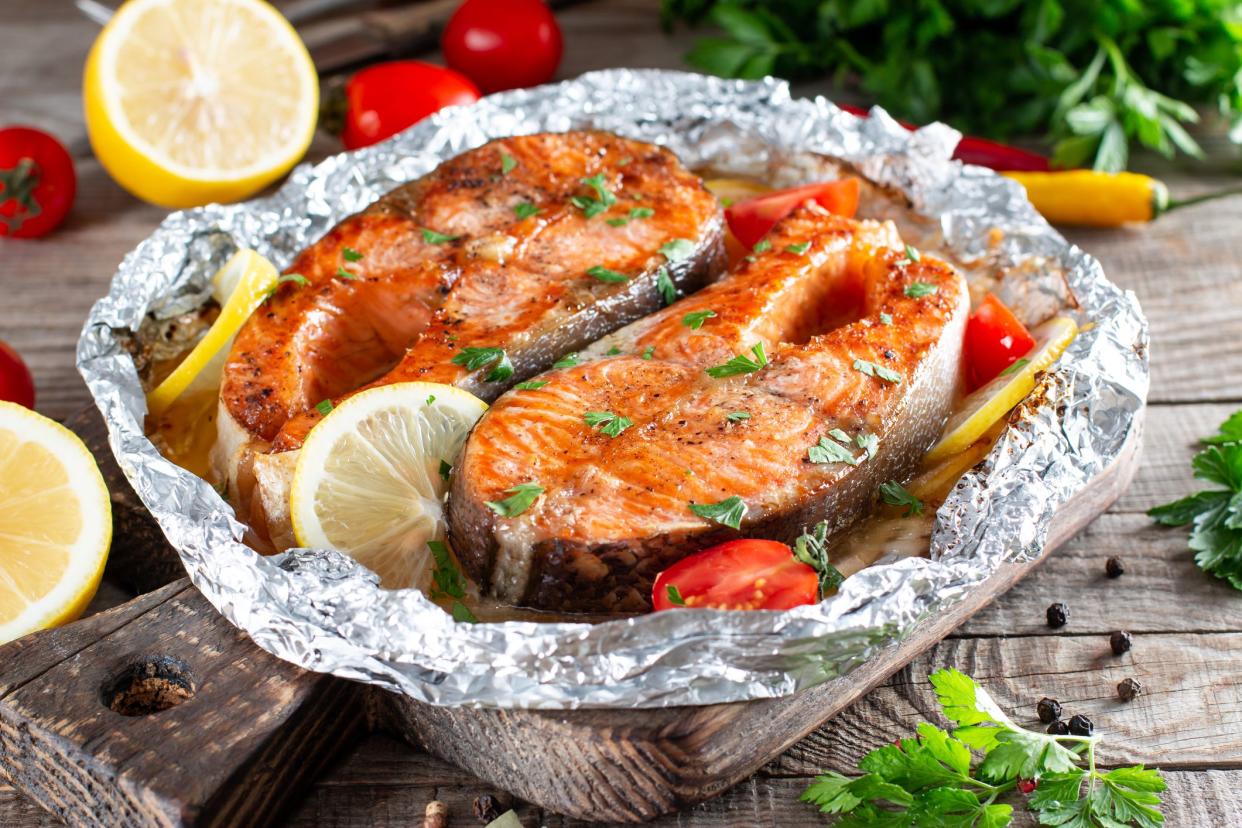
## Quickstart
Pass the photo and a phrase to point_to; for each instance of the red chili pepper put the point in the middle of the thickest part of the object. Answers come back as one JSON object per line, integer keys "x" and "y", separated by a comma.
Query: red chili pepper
{"x": 980, "y": 151}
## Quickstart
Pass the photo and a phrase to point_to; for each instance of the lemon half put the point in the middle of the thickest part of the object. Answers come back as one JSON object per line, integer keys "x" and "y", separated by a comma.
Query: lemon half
{"x": 55, "y": 523}
{"x": 371, "y": 477}
{"x": 193, "y": 101}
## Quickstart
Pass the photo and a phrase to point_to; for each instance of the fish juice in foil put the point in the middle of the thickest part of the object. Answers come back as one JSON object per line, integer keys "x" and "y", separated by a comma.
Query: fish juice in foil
{"x": 322, "y": 611}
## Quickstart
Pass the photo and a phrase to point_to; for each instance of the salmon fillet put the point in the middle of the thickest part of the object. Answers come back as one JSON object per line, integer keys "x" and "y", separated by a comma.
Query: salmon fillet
{"x": 850, "y": 342}
{"x": 494, "y": 249}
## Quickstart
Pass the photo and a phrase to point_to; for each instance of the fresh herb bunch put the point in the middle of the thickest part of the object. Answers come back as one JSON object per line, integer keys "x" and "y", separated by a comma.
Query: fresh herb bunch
{"x": 1094, "y": 75}
{"x": 1215, "y": 515}
{"x": 933, "y": 779}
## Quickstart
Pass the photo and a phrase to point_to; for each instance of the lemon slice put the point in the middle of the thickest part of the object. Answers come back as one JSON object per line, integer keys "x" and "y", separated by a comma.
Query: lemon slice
{"x": 369, "y": 480}
{"x": 987, "y": 405}
{"x": 193, "y": 101}
{"x": 730, "y": 190}
{"x": 253, "y": 278}
{"x": 55, "y": 523}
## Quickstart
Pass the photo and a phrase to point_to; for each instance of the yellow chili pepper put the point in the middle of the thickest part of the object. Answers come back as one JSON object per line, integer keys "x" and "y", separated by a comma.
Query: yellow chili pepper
{"x": 1098, "y": 199}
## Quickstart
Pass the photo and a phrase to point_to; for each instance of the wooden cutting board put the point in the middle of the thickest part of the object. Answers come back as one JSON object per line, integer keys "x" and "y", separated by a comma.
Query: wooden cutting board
{"x": 160, "y": 713}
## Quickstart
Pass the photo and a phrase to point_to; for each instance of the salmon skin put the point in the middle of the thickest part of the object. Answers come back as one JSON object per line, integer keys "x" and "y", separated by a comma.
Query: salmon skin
{"x": 536, "y": 245}
{"x": 812, "y": 373}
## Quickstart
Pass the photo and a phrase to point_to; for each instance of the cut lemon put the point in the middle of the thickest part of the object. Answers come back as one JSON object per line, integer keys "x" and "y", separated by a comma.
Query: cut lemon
{"x": 729, "y": 190}
{"x": 979, "y": 411}
{"x": 371, "y": 478}
{"x": 55, "y": 523}
{"x": 252, "y": 278}
{"x": 193, "y": 101}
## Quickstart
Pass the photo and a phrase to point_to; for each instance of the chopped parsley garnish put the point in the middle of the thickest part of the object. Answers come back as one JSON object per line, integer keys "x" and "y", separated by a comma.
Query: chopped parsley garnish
{"x": 446, "y": 468}
{"x": 342, "y": 273}
{"x": 886, "y": 318}
{"x": 668, "y": 291}
{"x": 531, "y": 385}
{"x": 677, "y": 249}
{"x": 567, "y": 361}
{"x": 448, "y": 582}
{"x": 324, "y": 407}
{"x": 829, "y": 451}
{"x": 432, "y": 237}
{"x": 608, "y": 423}
{"x": 695, "y": 319}
{"x": 895, "y": 494}
{"x": 431, "y": 398}
{"x": 507, "y": 163}
{"x": 613, "y": 351}
{"x": 525, "y": 210}
{"x": 1015, "y": 367}
{"x": 799, "y": 248}
{"x": 868, "y": 443}
{"x": 603, "y": 199}
{"x": 350, "y": 255}
{"x": 917, "y": 290}
{"x": 811, "y": 548}
{"x": 762, "y": 245}
{"x": 295, "y": 278}
{"x": 839, "y": 435}
{"x": 519, "y": 500}
{"x": 472, "y": 359}
{"x": 878, "y": 371}
{"x": 912, "y": 254}
{"x": 741, "y": 364}
{"x": 606, "y": 275}
{"x": 625, "y": 160}
{"x": 634, "y": 214}
{"x": 737, "y": 416}
{"x": 728, "y": 512}
{"x": 674, "y": 596}
{"x": 648, "y": 352}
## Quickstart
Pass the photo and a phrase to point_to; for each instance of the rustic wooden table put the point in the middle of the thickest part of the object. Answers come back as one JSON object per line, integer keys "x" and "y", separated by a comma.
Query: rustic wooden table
{"x": 1186, "y": 270}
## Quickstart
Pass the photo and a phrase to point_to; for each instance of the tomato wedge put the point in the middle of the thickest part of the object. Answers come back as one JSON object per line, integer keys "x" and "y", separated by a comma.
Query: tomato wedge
{"x": 739, "y": 574}
{"x": 995, "y": 339}
{"x": 750, "y": 220}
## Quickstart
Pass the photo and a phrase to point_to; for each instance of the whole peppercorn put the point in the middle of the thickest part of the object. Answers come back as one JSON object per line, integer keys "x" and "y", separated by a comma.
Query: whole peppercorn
{"x": 486, "y": 808}
{"x": 1120, "y": 642}
{"x": 1058, "y": 728}
{"x": 1129, "y": 690}
{"x": 1114, "y": 568}
{"x": 1058, "y": 614}
{"x": 1080, "y": 725}
{"x": 1049, "y": 710}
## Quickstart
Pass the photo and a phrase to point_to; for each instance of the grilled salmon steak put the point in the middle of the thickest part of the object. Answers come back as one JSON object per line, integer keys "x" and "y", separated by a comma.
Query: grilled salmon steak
{"x": 782, "y": 395}
{"x": 535, "y": 245}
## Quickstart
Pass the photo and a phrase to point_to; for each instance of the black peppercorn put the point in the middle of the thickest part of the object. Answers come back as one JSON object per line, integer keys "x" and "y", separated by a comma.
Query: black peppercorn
{"x": 1058, "y": 614}
{"x": 1080, "y": 725}
{"x": 1058, "y": 728}
{"x": 1049, "y": 710}
{"x": 1114, "y": 568}
{"x": 1129, "y": 690}
{"x": 1120, "y": 642}
{"x": 487, "y": 808}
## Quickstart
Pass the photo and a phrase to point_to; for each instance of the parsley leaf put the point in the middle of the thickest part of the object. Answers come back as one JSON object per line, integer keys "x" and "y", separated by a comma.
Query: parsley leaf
{"x": 446, "y": 469}
{"x": 886, "y": 318}
{"x": 912, "y": 254}
{"x": 695, "y": 319}
{"x": 432, "y": 237}
{"x": 668, "y": 291}
{"x": 677, "y": 249}
{"x": 1014, "y": 367}
{"x": 567, "y": 361}
{"x": 472, "y": 359}
{"x": 728, "y": 512}
{"x": 603, "y": 199}
{"x": 531, "y": 385}
{"x": 674, "y": 596}
{"x": 741, "y": 364}
{"x": 350, "y": 255}
{"x": 811, "y": 548}
{"x": 507, "y": 163}
{"x": 828, "y": 451}
{"x": 648, "y": 352}
{"x": 608, "y": 423}
{"x": 606, "y": 275}
{"x": 871, "y": 369}
{"x": 324, "y": 407}
{"x": 448, "y": 582}
{"x": 525, "y": 210}
{"x": 917, "y": 290}
{"x": 342, "y": 273}
{"x": 634, "y": 214}
{"x": 613, "y": 351}
{"x": 895, "y": 494}
{"x": 868, "y": 443}
{"x": 762, "y": 245}
{"x": 799, "y": 248}
{"x": 294, "y": 278}
{"x": 737, "y": 416}
{"x": 521, "y": 497}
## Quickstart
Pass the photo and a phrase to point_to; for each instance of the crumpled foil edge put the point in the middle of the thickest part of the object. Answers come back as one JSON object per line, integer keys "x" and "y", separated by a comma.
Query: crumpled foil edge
{"x": 322, "y": 611}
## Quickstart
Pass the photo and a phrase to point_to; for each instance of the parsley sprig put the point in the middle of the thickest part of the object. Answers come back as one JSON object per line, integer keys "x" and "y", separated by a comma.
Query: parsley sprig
{"x": 603, "y": 199}
{"x": 933, "y": 778}
{"x": 447, "y": 581}
{"x": 811, "y": 548}
{"x": 741, "y": 364}
{"x": 472, "y": 359}
{"x": 1215, "y": 515}
{"x": 607, "y": 422}
{"x": 728, "y": 512}
{"x": 521, "y": 497}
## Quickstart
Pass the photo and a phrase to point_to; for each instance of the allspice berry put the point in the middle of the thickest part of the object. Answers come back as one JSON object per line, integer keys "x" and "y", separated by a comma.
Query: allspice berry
{"x": 1057, "y": 614}
{"x": 1114, "y": 568}
{"x": 1129, "y": 690}
{"x": 1120, "y": 641}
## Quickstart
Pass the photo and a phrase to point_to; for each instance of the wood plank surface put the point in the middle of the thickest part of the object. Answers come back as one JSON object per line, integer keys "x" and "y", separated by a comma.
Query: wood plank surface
{"x": 1188, "y": 627}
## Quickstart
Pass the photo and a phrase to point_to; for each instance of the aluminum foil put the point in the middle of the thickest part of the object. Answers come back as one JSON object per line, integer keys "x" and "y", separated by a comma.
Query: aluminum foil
{"x": 322, "y": 611}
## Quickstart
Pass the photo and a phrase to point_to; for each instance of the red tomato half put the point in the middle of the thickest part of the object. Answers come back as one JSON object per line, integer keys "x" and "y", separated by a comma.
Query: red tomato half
{"x": 37, "y": 182}
{"x": 16, "y": 384}
{"x": 740, "y": 574}
{"x": 995, "y": 339}
{"x": 503, "y": 44}
{"x": 384, "y": 99}
{"x": 750, "y": 220}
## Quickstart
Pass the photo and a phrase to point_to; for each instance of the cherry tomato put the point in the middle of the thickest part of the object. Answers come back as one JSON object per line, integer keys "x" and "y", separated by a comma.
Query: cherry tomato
{"x": 16, "y": 384}
{"x": 750, "y": 220}
{"x": 739, "y": 574}
{"x": 384, "y": 99}
{"x": 37, "y": 182}
{"x": 503, "y": 44}
{"x": 995, "y": 339}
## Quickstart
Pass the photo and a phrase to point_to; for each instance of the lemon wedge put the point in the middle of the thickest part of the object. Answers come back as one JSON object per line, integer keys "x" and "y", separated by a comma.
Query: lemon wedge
{"x": 730, "y": 190}
{"x": 979, "y": 411}
{"x": 253, "y": 278}
{"x": 372, "y": 475}
{"x": 193, "y": 101}
{"x": 55, "y": 523}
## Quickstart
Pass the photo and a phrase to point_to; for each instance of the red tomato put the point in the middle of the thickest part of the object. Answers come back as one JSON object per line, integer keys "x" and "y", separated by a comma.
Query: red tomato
{"x": 16, "y": 384}
{"x": 750, "y": 220}
{"x": 739, "y": 574}
{"x": 37, "y": 182}
{"x": 995, "y": 339}
{"x": 384, "y": 99}
{"x": 503, "y": 44}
